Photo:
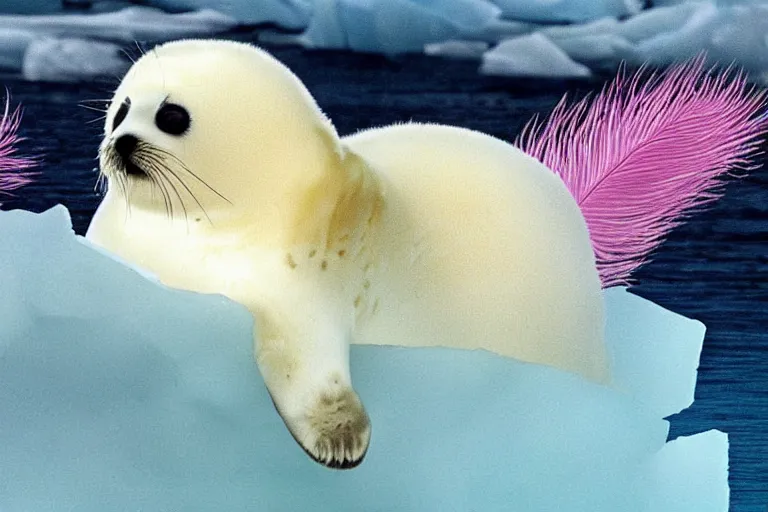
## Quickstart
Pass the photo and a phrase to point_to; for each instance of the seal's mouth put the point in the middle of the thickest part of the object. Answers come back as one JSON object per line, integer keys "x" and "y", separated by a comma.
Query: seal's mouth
{"x": 124, "y": 150}
{"x": 131, "y": 169}
{"x": 129, "y": 160}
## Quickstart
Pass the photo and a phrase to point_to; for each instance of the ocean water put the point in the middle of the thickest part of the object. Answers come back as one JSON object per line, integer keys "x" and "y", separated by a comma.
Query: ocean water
{"x": 714, "y": 268}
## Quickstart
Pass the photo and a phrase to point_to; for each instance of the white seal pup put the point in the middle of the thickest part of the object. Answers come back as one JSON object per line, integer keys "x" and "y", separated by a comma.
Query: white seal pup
{"x": 225, "y": 177}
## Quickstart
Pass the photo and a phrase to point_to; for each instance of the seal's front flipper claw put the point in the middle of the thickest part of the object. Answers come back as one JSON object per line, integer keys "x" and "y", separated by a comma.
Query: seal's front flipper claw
{"x": 334, "y": 431}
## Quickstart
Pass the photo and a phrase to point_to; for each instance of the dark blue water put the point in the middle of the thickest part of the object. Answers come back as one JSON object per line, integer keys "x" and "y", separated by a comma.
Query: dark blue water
{"x": 714, "y": 268}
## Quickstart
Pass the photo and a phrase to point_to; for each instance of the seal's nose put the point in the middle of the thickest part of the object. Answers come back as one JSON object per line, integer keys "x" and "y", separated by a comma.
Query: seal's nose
{"x": 124, "y": 145}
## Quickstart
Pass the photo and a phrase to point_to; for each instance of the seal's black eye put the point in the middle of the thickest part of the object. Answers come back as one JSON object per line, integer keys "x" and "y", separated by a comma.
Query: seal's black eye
{"x": 172, "y": 119}
{"x": 121, "y": 113}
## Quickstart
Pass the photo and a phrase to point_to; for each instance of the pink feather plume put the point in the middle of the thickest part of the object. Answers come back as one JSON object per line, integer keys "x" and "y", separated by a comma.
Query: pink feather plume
{"x": 645, "y": 151}
{"x": 14, "y": 170}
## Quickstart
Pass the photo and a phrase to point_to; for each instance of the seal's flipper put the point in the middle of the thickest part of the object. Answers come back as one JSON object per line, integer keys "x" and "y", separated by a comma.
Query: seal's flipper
{"x": 334, "y": 430}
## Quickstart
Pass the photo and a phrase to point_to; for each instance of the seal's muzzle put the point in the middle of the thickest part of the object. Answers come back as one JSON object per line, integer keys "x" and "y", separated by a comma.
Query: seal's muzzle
{"x": 124, "y": 146}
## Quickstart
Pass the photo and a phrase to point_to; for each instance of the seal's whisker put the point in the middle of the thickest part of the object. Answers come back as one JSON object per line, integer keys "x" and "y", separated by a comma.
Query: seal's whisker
{"x": 123, "y": 186}
{"x": 101, "y": 183}
{"x": 167, "y": 168}
{"x": 157, "y": 177}
{"x": 190, "y": 193}
{"x": 161, "y": 182}
{"x": 112, "y": 161}
{"x": 166, "y": 154}
{"x": 163, "y": 170}
{"x": 130, "y": 57}
{"x": 168, "y": 184}
{"x": 102, "y": 110}
{"x": 100, "y": 118}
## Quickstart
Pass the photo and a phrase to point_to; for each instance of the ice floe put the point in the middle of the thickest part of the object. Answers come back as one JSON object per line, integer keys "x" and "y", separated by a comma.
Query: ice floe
{"x": 531, "y": 55}
{"x": 117, "y": 393}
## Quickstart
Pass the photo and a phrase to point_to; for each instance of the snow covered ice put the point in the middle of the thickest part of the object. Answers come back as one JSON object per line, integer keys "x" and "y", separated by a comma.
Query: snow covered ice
{"x": 117, "y": 393}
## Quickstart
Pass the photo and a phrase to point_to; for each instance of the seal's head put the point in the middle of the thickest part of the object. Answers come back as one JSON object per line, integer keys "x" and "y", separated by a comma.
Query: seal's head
{"x": 222, "y": 135}
{"x": 214, "y": 126}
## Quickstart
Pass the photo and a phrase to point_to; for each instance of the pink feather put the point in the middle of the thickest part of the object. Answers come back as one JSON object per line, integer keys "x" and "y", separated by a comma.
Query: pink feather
{"x": 14, "y": 169}
{"x": 646, "y": 151}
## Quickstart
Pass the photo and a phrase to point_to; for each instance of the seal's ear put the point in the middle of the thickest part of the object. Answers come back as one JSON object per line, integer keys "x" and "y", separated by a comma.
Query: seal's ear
{"x": 345, "y": 202}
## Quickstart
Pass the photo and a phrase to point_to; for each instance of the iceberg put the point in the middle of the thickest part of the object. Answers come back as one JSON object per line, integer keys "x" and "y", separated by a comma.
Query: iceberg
{"x": 395, "y": 26}
{"x": 118, "y": 393}
{"x": 72, "y": 60}
{"x": 457, "y": 49}
{"x": 13, "y": 44}
{"x": 567, "y": 11}
{"x": 291, "y": 14}
{"x": 531, "y": 55}
{"x": 660, "y": 20}
{"x": 728, "y": 34}
{"x": 125, "y": 26}
{"x": 596, "y": 27}
{"x": 71, "y": 47}
{"x": 659, "y": 36}
{"x": 599, "y": 51}
{"x": 598, "y": 35}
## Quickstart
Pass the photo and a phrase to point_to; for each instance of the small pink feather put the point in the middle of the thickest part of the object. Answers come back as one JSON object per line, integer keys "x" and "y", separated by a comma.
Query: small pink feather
{"x": 14, "y": 169}
{"x": 647, "y": 150}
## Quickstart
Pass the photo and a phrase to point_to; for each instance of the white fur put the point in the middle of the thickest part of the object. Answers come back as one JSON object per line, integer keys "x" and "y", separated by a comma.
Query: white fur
{"x": 417, "y": 235}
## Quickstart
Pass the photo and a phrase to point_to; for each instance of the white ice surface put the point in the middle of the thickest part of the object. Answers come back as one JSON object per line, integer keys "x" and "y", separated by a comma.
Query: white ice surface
{"x": 704, "y": 454}
{"x": 531, "y": 55}
{"x": 117, "y": 393}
